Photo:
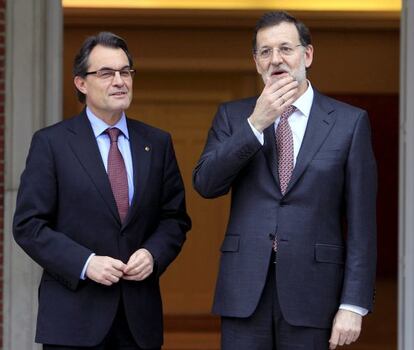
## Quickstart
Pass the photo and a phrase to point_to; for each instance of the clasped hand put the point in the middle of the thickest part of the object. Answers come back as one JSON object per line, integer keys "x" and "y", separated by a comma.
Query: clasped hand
{"x": 107, "y": 271}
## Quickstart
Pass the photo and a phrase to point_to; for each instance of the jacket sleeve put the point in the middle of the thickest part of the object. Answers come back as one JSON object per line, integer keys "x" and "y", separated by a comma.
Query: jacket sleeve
{"x": 167, "y": 239}
{"x": 230, "y": 145}
{"x": 35, "y": 215}
{"x": 360, "y": 196}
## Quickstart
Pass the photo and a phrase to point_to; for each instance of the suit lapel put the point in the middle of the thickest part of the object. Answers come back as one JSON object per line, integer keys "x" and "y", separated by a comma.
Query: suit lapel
{"x": 321, "y": 120}
{"x": 270, "y": 151}
{"x": 141, "y": 152}
{"x": 83, "y": 143}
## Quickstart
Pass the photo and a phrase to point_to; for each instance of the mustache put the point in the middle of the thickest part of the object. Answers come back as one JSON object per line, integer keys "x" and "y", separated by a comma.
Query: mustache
{"x": 280, "y": 69}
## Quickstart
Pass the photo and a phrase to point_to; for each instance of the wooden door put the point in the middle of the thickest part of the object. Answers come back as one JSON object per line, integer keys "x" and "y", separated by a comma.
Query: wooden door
{"x": 184, "y": 103}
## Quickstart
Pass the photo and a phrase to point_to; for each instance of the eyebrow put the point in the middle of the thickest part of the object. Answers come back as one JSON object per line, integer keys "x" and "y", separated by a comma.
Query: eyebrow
{"x": 281, "y": 44}
{"x": 287, "y": 43}
{"x": 111, "y": 68}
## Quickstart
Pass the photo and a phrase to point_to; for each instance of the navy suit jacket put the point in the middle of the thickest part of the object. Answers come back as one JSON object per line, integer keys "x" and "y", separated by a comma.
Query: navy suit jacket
{"x": 320, "y": 264}
{"x": 66, "y": 211}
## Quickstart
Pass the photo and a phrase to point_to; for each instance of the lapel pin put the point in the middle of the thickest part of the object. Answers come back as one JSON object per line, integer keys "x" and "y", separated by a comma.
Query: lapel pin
{"x": 147, "y": 148}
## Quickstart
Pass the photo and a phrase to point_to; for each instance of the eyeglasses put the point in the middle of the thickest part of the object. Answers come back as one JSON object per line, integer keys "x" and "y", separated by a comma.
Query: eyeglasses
{"x": 108, "y": 73}
{"x": 284, "y": 50}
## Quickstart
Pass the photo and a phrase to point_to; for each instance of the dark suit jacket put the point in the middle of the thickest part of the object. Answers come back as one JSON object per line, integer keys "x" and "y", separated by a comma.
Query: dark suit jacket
{"x": 66, "y": 210}
{"x": 334, "y": 181}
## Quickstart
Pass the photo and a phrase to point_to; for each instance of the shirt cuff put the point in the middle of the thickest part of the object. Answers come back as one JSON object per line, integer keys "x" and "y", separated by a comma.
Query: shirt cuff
{"x": 357, "y": 309}
{"x": 258, "y": 134}
{"x": 82, "y": 276}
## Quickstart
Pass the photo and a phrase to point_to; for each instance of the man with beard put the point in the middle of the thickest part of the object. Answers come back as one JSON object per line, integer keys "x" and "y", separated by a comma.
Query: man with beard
{"x": 298, "y": 259}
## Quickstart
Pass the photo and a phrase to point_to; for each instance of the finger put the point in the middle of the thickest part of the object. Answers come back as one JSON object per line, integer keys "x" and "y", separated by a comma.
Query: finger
{"x": 134, "y": 278}
{"x": 132, "y": 272}
{"x": 142, "y": 273}
{"x": 356, "y": 335}
{"x": 289, "y": 89}
{"x": 290, "y": 94}
{"x": 110, "y": 275}
{"x": 276, "y": 90}
{"x": 281, "y": 105}
{"x": 287, "y": 103}
{"x": 272, "y": 85}
{"x": 144, "y": 258}
{"x": 282, "y": 99}
{"x": 130, "y": 266}
{"x": 111, "y": 270}
{"x": 112, "y": 279}
{"x": 142, "y": 277}
{"x": 144, "y": 266}
{"x": 116, "y": 273}
{"x": 285, "y": 88}
{"x": 118, "y": 265}
{"x": 133, "y": 257}
{"x": 128, "y": 278}
{"x": 137, "y": 264}
{"x": 141, "y": 255}
{"x": 342, "y": 339}
{"x": 333, "y": 342}
{"x": 105, "y": 282}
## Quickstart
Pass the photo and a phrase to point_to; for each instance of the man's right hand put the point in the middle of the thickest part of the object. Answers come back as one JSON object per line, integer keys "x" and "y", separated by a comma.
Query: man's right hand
{"x": 105, "y": 270}
{"x": 276, "y": 96}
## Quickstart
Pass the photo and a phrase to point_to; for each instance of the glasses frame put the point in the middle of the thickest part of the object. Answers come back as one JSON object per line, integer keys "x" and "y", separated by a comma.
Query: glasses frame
{"x": 114, "y": 71}
{"x": 279, "y": 51}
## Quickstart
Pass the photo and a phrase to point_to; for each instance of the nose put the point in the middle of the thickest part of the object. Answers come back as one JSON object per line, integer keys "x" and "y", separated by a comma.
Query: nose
{"x": 117, "y": 80}
{"x": 276, "y": 57}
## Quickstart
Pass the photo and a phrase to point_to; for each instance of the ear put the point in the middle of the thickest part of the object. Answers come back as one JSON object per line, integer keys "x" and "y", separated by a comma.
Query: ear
{"x": 308, "y": 56}
{"x": 80, "y": 84}
{"x": 258, "y": 68}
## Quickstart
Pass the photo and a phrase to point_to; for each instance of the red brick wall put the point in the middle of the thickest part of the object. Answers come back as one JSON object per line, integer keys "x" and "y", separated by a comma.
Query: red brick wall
{"x": 2, "y": 100}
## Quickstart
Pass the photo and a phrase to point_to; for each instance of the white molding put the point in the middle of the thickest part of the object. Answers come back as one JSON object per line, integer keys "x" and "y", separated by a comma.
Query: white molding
{"x": 33, "y": 100}
{"x": 406, "y": 181}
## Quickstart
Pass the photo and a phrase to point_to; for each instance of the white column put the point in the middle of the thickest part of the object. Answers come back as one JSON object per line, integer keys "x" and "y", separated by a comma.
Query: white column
{"x": 406, "y": 188}
{"x": 33, "y": 100}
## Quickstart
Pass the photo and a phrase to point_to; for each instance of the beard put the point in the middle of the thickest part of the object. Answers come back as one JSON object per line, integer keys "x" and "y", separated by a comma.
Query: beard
{"x": 299, "y": 74}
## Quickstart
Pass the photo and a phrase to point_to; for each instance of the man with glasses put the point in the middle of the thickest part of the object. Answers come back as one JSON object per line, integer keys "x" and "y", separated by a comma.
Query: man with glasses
{"x": 298, "y": 259}
{"x": 101, "y": 209}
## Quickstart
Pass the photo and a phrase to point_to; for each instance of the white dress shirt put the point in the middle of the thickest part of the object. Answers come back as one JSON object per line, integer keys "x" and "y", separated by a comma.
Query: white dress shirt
{"x": 298, "y": 122}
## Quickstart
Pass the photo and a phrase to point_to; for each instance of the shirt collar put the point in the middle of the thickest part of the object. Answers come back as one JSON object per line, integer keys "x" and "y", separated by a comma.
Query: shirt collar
{"x": 304, "y": 102}
{"x": 99, "y": 126}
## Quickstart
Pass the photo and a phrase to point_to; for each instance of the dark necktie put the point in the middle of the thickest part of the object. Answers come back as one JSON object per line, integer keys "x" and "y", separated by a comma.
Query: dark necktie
{"x": 117, "y": 174}
{"x": 284, "y": 142}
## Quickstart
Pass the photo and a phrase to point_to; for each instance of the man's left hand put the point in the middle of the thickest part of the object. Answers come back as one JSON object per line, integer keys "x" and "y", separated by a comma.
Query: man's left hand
{"x": 140, "y": 265}
{"x": 346, "y": 328}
